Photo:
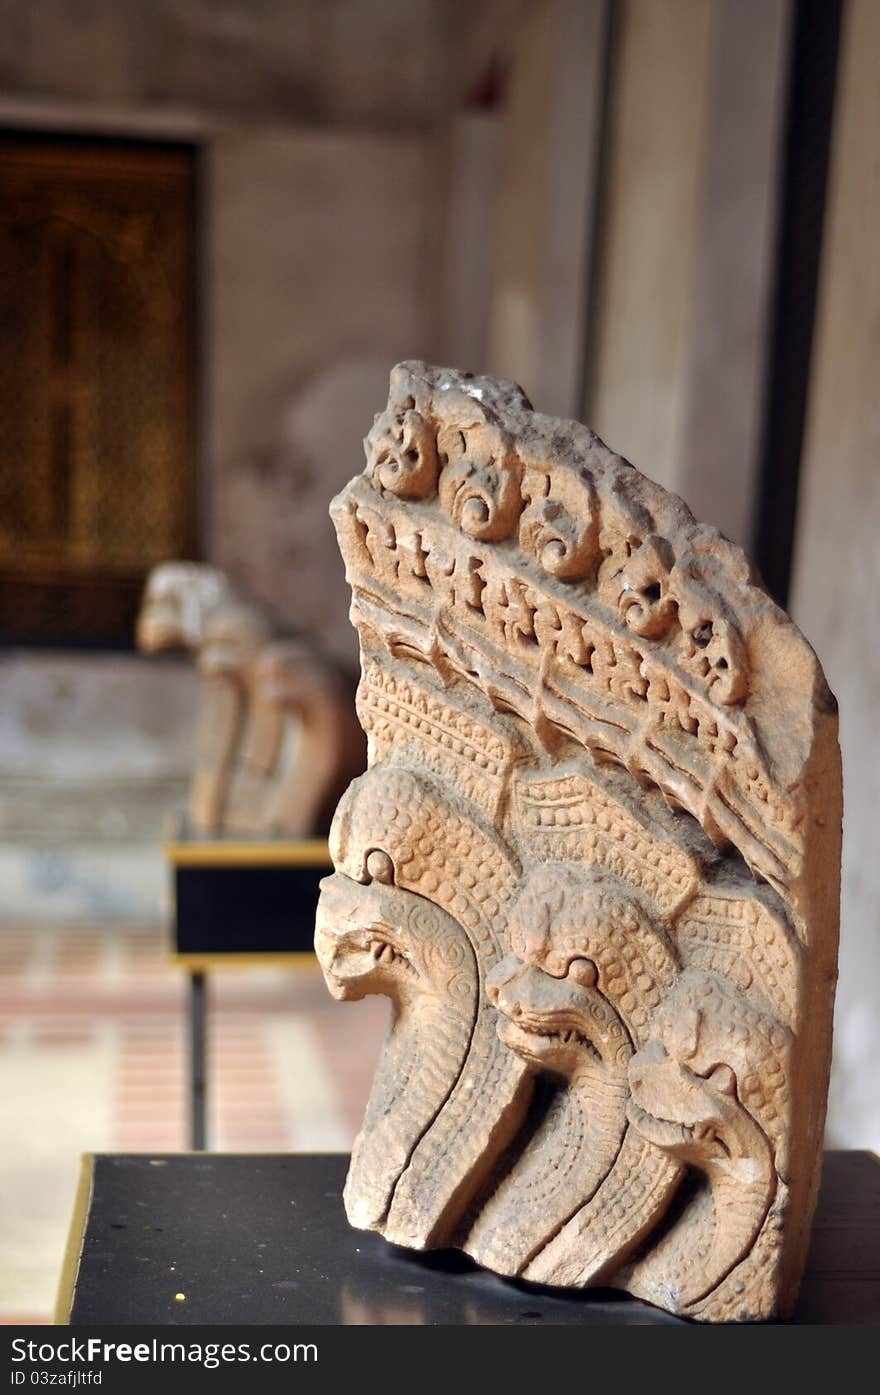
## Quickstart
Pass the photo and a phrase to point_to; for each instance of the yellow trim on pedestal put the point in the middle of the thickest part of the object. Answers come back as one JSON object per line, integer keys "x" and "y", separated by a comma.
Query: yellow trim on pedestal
{"x": 223, "y": 852}
{"x": 202, "y": 963}
{"x": 75, "y": 1238}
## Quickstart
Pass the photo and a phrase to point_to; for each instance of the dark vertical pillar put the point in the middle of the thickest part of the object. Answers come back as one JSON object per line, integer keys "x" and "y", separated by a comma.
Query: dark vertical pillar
{"x": 805, "y": 172}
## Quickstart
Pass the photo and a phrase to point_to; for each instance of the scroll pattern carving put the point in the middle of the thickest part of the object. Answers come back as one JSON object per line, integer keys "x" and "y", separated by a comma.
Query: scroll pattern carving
{"x": 584, "y": 866}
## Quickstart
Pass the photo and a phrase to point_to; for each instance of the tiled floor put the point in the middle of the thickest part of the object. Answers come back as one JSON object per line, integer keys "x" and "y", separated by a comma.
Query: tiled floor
{"x": 93, "y": 1059}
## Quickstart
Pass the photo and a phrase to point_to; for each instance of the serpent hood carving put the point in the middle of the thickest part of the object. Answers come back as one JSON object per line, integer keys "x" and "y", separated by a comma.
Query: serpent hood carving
{"x": 593, "y": 864}
{"x": 380, "y": 938}
{"x": 693, "y": 1098}
{"x": 569, "y": 1003}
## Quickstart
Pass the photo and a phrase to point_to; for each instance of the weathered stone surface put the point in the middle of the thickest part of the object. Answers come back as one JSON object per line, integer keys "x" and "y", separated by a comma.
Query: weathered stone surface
{"x": 594, "y": 863}
{"x": 277, "y": 737}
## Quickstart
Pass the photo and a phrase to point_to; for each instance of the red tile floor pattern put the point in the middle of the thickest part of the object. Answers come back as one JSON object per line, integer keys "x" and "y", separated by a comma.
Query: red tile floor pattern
{"x": 93, "y": 1033}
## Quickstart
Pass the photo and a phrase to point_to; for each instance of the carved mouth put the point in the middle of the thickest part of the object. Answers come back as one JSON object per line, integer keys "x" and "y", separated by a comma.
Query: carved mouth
{"x": 356, "y": 956}
{"x": 352, "y": 938}
{"x": 155, "y": 634}
{"x": 667, "y": 1133}
{"x": 538, "y": 1041}
{"x": 382, "y": 951}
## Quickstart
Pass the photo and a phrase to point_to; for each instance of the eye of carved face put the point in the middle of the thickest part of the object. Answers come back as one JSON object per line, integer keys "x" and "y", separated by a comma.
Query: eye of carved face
{"x": 379, "y": 866}
{"x": 584, "y": 972}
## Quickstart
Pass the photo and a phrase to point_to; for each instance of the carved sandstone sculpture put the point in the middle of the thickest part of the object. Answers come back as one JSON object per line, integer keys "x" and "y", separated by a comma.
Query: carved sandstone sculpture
{"x": 277, "y": 737}
{"x": 234, "y": 636}
{"x": 179, "y": 598}
{"x": 594, "y": 864}
{"x": 320, "y": 744}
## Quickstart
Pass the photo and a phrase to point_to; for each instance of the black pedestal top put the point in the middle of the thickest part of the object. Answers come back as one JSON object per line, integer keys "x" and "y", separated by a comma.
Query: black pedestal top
{"x": 263, "y": 1239}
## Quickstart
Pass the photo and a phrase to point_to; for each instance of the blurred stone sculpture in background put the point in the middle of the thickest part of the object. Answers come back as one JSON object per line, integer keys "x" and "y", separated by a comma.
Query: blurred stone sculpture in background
{"x": 594, "y": 862}
{"x": 310, "y": 703}
{"x": 277, "y": 737}
{"x": 235, "y": 632}
{"x": 179, "y": 599}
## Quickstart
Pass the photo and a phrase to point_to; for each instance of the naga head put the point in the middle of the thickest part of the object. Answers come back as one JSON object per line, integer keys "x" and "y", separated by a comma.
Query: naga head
{"x": 687, "y": 1080}
{"x": 374, "y": 935}
{"x": 380, "y": 938}
{"x": 552, "y": 992}
{"x": 177, "y": 599}
{"x": 556, "y": 1023}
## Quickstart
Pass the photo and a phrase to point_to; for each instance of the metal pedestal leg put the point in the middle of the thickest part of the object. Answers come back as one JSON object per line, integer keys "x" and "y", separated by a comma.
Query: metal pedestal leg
{"x": 197, "y": 1006}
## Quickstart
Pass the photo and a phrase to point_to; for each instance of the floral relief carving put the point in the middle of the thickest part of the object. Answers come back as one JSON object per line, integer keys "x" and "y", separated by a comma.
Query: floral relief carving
{"x": 647, "y": 603}
{"x": 715, "y": 652}
{"x": 403, "y": 450}
{"x": 560, "y": 525}
{"x": 480, "y": 481}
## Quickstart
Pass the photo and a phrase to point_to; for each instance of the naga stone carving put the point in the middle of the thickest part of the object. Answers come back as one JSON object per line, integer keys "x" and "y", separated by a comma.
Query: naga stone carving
{"x": 593, "y": 863}
{"x": 277, "y": 736}
{"x": 318, "y": 744}
{"x": 178, "y": 602}
{"x": 235, "y": 634}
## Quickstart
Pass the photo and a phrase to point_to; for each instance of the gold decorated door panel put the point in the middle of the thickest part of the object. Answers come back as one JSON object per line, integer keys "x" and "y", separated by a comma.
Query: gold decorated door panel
{"x": 97, "y": 471}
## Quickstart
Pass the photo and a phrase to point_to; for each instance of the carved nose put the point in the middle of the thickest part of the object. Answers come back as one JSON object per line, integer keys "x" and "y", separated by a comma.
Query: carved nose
{"x": 500, "y": 997}
{"x": 340, "y": 896}
{"x": 498, "y": 985}
{"x": 497, "y": 981}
